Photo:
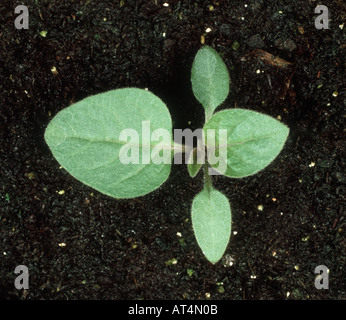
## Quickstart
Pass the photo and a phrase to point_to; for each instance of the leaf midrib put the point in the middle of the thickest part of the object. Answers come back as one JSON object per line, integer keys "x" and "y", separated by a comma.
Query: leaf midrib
{"x": 118, "y": 142}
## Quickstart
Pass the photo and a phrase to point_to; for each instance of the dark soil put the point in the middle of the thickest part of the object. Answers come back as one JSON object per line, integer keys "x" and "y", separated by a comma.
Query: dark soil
{"x": 120, "y": 249}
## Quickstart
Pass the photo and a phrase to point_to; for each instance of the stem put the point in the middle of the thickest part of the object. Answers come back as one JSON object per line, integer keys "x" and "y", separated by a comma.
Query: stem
{"x": 207, "y": 116}
{"x": 207, "y": 178}
{"x": 177, "y": 147}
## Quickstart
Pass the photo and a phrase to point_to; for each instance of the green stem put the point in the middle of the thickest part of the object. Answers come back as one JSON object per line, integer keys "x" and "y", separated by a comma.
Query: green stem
{"x": 207, "y": 116}
{"x": 207, "y": 178}
{"x": 177, "y": 147}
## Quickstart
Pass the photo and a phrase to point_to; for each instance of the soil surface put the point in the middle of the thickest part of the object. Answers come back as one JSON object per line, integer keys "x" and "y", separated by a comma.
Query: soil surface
{"x": 80, "y": 244}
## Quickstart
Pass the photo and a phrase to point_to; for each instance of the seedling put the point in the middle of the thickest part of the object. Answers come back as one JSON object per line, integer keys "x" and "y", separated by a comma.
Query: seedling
{"x": 120, "y": 143}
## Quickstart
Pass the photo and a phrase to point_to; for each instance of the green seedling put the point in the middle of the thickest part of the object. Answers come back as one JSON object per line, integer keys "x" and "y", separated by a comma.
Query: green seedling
{"x": 120, "y": 143}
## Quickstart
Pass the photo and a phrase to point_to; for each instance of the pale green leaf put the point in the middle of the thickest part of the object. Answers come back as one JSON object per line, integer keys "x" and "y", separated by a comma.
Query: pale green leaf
{"x": 193, "y": 167}
{"x": 85, "y": 139}
{"x": 211, "y": 221}
{"x": 210, "y": 79}
{"x": 253, "y": 141}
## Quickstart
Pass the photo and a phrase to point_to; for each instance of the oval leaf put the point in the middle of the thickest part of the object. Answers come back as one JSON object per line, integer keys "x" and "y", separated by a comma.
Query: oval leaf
{"x": 211, "y": 221}
{"x": 253, "y": 141}
{"x": 193, "y": 167}
{"x": 210, "y": 79}
{"x": 85, "y": 139}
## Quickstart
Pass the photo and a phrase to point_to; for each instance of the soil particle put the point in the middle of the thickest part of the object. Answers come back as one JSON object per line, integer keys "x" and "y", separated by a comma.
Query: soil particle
{"x": 285, "y": 44}
{"x": 255, "y": 41}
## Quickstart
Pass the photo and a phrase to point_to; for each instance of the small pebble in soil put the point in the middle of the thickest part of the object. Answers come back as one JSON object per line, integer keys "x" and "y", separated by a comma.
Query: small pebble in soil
{"x": 255, "y": 41}
{"x": 285, "y": 44}
{"x": 228, "y": 261}
{"x": 171, "y": 261}
{"x": 30, "y": 175}
{"x": 54, "y": 71}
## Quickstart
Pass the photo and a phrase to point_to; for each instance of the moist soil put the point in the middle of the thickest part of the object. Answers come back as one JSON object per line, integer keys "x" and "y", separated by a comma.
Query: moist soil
{"x": 80, "y": 244}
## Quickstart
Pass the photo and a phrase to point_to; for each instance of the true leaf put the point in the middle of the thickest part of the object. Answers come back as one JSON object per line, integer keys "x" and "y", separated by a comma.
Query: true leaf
{"x": 253, "y": 140}
{"x": 194, "y": 166}
{"x": 210, "y": 79}
{"x": 85, "y": 139}
{"x": 211, "y": 221}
